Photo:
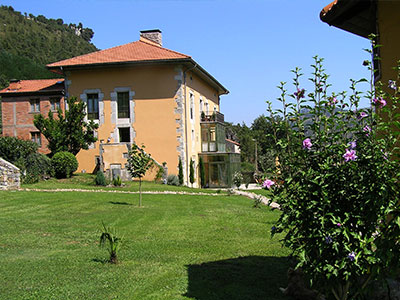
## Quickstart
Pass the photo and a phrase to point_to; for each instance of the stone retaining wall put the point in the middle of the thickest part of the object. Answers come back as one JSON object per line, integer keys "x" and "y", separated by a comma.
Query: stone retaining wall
{"x": 10, "y": 176}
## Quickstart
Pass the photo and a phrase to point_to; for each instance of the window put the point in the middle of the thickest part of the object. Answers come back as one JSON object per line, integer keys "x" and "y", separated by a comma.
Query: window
{"x": 35, "y": 105}
{"x": 55, "y": 104}
{"x": 201, "y": 105}
{"x": 93, "y": 106}
{"x": 191, "y": 106}
{"x": 35, "y": 137}
{"x": 124, "y": 135}
{"x": 123, "y": 104}
{"x": 207, "y": 111}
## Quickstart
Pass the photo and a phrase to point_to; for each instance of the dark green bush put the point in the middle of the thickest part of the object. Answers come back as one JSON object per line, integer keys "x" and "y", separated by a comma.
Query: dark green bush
{"x": 37, "y": 166}
{"x": 117, "y": 181}
{"x": 100, "y": 179}
{"x": 12, "y": 148}
{"x": 172, "y": 180}
{"x": 180, "y": 174}
{"x": 64, "y": 164}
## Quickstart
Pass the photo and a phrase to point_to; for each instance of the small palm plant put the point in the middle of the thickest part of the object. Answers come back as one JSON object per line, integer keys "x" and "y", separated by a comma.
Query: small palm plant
{"x": 109, "y": 234}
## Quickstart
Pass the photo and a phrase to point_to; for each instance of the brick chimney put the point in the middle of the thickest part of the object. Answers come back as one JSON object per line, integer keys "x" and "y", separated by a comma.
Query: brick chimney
{"x": 15, "y": 85}
{"x": 152, "y": 36}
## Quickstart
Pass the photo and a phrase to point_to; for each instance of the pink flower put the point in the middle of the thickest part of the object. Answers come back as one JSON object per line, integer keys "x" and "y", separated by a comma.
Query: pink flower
{"x": 307, "y": 144}
{"x": 332, "y": 101}
{"x": 300, "y": 93}
{"x": 362, "y": 115}
{"x": 268, "y": 183}
{"x": 338, "y": 225}
{"x": 350, "y": 155}
{"x": 379, "y": 101}
{"x": 367, "y": 130}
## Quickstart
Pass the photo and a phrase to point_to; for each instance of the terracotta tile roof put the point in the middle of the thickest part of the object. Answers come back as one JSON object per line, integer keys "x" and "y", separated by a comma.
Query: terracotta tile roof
{"x": 131, "y": 52}
{"x": 327, "y": 8}
{"x": 27, "y": 86}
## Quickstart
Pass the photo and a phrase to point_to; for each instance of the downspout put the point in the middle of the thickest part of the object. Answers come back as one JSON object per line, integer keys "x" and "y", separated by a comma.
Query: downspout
{"x": 186, "y": 129}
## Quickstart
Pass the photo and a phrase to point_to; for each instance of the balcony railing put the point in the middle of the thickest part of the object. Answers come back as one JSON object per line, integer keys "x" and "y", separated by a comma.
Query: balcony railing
{"x": 214, "y": 117}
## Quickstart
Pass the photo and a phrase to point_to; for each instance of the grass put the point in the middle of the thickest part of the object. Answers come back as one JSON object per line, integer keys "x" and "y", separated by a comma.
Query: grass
{"x": 175, "y": 247}
{"x": 86, "y": 181}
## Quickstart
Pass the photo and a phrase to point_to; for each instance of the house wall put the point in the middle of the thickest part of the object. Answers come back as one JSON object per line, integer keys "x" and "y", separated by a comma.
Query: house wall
{"x": 201, "y": 91}
{"x": 154, "y": 118}
{"x": 17, "y": 118}
{"x": 389, "y": 30}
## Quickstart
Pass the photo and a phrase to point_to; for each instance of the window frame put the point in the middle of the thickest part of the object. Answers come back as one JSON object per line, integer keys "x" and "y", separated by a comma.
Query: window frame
{"x": 55, "y": 103}
{"x": 34, "y": 105}
{"x": 123, "y": 111}
{"x": 36, "y": 137}
{"x": 92, "y": 114}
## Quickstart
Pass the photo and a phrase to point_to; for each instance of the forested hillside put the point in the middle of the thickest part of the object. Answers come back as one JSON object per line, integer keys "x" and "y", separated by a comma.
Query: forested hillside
{"x": 28, "y": 43}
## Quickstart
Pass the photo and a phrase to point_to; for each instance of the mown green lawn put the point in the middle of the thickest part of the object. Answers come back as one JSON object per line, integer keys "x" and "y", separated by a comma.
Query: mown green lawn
{"x": 175, "y": 247}
{"x": 86, "y": 181}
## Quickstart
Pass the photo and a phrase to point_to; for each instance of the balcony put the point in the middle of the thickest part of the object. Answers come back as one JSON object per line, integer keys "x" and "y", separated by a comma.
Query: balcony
{"x": 214, "y": 117}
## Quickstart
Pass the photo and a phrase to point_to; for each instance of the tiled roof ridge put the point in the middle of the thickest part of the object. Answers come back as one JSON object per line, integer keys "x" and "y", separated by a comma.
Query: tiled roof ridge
{"x": 90, "y": 53}
{"x": 169, "y": 50}
{"x": 116, "y": 47}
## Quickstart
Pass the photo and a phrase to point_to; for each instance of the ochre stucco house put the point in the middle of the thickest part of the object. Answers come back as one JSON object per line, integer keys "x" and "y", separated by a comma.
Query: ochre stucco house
{"x": 22, "y": 100}
{"x": 363, "y": 17}
{"x": 144, "y": 93}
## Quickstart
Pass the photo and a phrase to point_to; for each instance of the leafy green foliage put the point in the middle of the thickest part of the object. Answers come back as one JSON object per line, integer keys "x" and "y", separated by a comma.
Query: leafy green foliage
{"x": 172, "y": 180}
{"x": 338, "y": 183}
{"x": 12, "y": 148}
{"x": 38, "y": 166}
{"x": 138, "y": 163}
{"x": 64, "y": 164}
{"x": 117, "y": 181}
{"x": 114, "y": 242}
{"x": 70, "y": 132}
{"x": 180, "y": 172}
{"x": 202, "y": 172}
{"x": 23, "y": 154}
{"x": 191, "y": 172}
{"x": 237, "y": 179}
{"x": 28, "y": 43}
{"x": 100, "y": 179}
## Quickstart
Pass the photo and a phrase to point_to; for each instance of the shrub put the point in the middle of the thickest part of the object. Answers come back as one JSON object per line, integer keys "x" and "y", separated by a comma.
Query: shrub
{"x": 172, "y": 180}
{"x": 12, "y": 148}
{"x": 111, "y": 236}
{"x": 64, "y": 164}
{"x": 237, "y": 179}
{"x": 100, "y": 179}
{"x": 38, "y": 166}
{"x": 117, "y": 181}
{"x": 202, "y": 172}
{"x": 337, "y": 184}
{"x": 159, "y": 174}
{"x": 191, "y": 173}
{"x": 180, "y": 174}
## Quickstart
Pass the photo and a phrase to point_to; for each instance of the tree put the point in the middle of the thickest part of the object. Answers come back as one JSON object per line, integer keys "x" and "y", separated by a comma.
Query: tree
{"x": 202, "y": 173}
{"x": 138, "y": 163}
{"x": 191, "y": 172}
{"x": 180, "y": 174}
{"x": 67, "y": 133}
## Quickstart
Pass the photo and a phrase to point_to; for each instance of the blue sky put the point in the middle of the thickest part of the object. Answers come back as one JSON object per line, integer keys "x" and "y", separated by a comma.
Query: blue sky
{"x": 249, "y": 46}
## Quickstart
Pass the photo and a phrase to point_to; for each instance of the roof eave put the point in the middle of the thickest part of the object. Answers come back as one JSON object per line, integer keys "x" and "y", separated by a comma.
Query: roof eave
{"x": 356, "y": 16}
{"x": 33, "y": 93}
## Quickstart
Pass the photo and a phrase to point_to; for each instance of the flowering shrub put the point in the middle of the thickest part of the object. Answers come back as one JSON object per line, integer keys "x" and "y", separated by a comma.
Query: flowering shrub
{"x": 339, "y": 171}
